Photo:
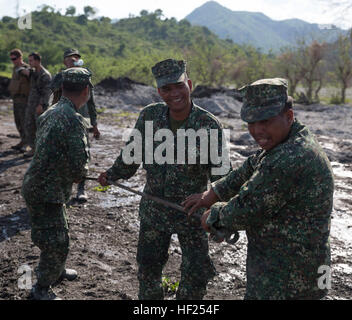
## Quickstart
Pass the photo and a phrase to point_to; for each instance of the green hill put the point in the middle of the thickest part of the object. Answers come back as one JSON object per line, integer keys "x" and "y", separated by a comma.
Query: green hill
{"x": 256, "y": 28}
{"x": 128, "y": 47}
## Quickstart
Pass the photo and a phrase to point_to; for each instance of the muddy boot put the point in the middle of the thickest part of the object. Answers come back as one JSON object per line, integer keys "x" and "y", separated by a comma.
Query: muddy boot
{"x": 29, "y": 153}
{"x": 69, "y": 274}
{"x": 81, "y": 194}
{"x": 43, "y": 293}
{"x": 20, "y": 146}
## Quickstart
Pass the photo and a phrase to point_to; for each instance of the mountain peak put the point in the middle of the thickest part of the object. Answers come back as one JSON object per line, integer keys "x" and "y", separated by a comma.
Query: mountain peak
{"x": 255, "y": 28}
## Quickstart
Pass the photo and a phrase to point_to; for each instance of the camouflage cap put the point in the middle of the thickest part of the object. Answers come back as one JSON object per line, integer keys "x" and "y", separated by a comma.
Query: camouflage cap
{"x": 169, "y": 71}
{"x": 71, "y": 52}
{"x": 263, "y": 99}
{"x": 77, "y": 75}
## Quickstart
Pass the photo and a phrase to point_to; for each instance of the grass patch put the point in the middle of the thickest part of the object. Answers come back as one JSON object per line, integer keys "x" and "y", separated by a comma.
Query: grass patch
{"x": 168, "y": 285}
{"x": 101, "y": 188}
{"x": 125, "y": 114}
{"x": 101, "y": 110}
{"x": 6, "y": 74}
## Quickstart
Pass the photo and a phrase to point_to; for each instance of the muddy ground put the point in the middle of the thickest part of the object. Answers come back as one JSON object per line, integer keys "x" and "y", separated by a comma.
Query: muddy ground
{"x": 104, "y": 230}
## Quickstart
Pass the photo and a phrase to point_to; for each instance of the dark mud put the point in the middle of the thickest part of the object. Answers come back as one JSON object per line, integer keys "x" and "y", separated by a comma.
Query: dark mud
{"x": 104, "y": 230}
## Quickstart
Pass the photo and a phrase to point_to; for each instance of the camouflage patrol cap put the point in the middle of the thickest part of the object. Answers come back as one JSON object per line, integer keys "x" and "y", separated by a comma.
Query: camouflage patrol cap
{"x": 169, "y": 71}
{"x": 71, "y": 52}
{"x": 263, "y": 99}
{"x": 77, "y": 75}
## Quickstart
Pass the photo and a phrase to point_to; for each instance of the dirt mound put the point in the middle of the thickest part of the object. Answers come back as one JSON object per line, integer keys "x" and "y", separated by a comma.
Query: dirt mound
{"x": 4, "y": 83}
{"x": 124, "y": 94}
{"x": 121, "y": 83}
{"x": 207, "y": 92}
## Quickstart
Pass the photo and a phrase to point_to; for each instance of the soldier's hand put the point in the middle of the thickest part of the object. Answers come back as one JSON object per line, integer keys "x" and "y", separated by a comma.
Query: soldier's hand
{"x": 39, "y": 110}
{"x": 199, "y": 200}
{"x": 96, "y": 132}
{"x": 103, "y": 179}
{"x": 204, "y": 218}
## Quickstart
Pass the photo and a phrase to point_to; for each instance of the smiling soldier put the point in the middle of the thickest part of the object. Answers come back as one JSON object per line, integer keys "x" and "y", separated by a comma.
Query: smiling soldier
{"x": 282, "y": 197}
{"x": 174, "y": 182}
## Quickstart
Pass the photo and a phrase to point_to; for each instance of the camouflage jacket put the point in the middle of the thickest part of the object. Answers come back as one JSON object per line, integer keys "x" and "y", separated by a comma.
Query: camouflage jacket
{"x": 19, "y": 84}
{"x": 61, "y": 155}
{"x": 283, "y": 198}
{"x": 173, "y": 181}
{"x": 39, "y": 88}
{"x": 88, "y": 111}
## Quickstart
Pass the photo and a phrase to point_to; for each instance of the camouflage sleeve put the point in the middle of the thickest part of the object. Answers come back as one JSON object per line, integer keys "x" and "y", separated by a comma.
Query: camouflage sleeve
{"x": 20, "y": 69}
{"x": 92, "y": 109}
{"x": 228, "y": 186}
{"x": 78, "y": 152}
{"x": 44, "y": 89}
{"x": 259, "y": 199}
{"x": 121, "y": 170}
{"x": 55, "y": 83}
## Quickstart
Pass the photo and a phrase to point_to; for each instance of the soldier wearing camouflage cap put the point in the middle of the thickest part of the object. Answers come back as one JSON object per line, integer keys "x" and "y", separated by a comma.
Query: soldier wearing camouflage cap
{"x": 282, "y": 196}
{"x": 173, "y": 182}
{"x": 72, "y": 58}
{"x": 60, "y": 159}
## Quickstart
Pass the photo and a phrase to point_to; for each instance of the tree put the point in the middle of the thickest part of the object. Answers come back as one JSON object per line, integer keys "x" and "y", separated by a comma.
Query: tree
{"x": 311, "y": 67}
{"x": 210, "y": 63}
{"x": 343, "y": 65}
{"x": 288, "y": 66}
{"x": 70, "y": 11}
{"x": 89, "y": 11}
{"x": 45, "y": 8}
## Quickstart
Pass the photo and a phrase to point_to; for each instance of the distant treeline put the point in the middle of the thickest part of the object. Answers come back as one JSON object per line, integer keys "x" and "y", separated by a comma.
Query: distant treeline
{"x": 131, "y": 46}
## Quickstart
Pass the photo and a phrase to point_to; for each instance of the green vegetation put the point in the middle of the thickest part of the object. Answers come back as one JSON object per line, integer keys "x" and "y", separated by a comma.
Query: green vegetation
{"x": 101, "y": 188}
{"x": 168, "y": 285}
{"x": 131, "y": 46}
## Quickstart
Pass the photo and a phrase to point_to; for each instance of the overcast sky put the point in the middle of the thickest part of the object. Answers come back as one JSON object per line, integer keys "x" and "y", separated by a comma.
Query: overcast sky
{"x": 337, "y": 12}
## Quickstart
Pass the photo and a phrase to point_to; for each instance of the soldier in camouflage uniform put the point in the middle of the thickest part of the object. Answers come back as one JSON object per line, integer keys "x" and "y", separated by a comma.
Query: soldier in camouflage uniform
{"x": 173, "y": 182}
{"x": 38, "y": 99}
{"x": 88, "y": 111}
{"x": 61, "y": 158}
{"x": 282, "y": 196}
{"x": 19, "y": 89}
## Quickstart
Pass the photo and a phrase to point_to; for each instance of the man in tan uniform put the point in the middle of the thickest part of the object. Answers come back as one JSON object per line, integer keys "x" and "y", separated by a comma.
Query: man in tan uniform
{"x": 19, "y": 89}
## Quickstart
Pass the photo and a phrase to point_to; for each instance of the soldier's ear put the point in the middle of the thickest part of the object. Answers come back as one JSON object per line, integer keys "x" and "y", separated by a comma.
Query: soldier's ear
{"x": 290, "y": 115}
{"x": 190, "y": 84}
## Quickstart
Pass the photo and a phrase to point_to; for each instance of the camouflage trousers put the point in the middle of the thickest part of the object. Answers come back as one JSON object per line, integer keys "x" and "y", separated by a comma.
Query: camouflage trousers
{"x": 152, "y": 253}
{"x": 50, "y": 234}
{"x": 30, "y": 128}
{"x": 19, "y": 112}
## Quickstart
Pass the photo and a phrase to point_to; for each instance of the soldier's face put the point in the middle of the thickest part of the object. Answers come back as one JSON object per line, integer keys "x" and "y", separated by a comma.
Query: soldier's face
{"x": 177, "y": 95}
{"x": 271, "y": 132}
{"x": 32, "y": 62}
{"x": 69, "y": 61}
{"x": 15, "y": 60}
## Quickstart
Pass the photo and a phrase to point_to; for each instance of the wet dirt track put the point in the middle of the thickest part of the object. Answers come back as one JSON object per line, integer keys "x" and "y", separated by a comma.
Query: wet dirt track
{"x": 104, "y": 230}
